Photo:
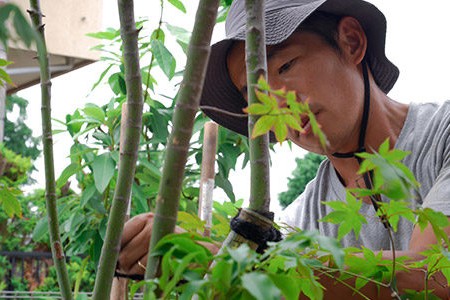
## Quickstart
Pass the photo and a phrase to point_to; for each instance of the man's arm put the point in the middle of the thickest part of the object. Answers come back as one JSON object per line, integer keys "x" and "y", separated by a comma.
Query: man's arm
{"x": 137, "y": 232}
{"x": 412, "y": 280}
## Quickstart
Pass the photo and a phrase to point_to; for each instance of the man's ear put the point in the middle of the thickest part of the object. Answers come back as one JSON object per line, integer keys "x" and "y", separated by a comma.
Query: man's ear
{"x": 352, "y": 39}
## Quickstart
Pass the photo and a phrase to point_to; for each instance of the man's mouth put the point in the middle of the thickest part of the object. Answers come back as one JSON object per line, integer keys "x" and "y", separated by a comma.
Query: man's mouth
{"x": 306, "y": 125}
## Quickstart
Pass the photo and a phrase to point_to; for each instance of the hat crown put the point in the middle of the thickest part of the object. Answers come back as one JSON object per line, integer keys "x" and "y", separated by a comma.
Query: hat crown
{"x": 235, "y": 23}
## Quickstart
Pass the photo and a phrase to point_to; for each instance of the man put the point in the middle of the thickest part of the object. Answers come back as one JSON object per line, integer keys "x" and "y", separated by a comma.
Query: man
{"x": 331, "y": 52}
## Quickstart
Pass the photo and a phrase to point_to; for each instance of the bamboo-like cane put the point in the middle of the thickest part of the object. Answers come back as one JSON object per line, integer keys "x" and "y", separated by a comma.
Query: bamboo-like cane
{"x": 167, "y": 202}
{"x": 259, "y": 147}
{"x": 59, "y": 258}
{"x": 207, "y": 176}
{"x": 128, "y": 153}
{"x": 119, "y": 290}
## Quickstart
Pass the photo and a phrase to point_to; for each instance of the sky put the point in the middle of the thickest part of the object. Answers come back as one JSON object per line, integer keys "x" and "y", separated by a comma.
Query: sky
{"x": 417, "y": 42}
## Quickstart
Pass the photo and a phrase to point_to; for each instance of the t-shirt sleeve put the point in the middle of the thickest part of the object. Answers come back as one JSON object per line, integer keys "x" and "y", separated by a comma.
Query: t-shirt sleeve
{"x": 438, "y": 197}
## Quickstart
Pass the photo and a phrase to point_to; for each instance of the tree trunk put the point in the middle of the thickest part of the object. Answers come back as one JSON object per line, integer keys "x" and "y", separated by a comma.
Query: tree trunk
{"x": 128, "y": 151}
{"x": 168, "y": 198}
{"x": 47, "y": 140}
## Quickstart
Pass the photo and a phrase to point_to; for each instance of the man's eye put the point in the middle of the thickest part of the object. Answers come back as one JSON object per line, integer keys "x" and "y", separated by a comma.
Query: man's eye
{"x": 286, "y": 66}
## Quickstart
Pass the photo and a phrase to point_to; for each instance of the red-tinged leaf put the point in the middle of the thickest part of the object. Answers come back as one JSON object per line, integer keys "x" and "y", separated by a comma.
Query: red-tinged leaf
{"x": 262, "y": 84}
{"x": 257, "y": 109}
{"x": 263, "y": 125}
{"x": 280, "y": 92}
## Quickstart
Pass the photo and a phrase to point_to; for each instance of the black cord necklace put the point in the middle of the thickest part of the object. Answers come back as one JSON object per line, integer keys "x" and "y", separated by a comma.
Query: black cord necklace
{"x": 375, "y": 199}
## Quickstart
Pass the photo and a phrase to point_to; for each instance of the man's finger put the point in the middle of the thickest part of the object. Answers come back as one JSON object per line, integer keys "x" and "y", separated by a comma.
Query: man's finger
{"x": 134, "y": 226}
{"x": 136, "y": 248}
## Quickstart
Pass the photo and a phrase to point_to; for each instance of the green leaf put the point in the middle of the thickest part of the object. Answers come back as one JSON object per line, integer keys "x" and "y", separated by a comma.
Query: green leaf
{"x": 178, "y": 4}
{"x": 70, "y": 170}
{"x": 226, "y": 186}
{"x": 181, "y": 34}
{"x": 4, "y": 77}
{"x": 263, "y": 85}
{"x": 287, "y": 285}
{"x": 192, "y": 288}
{"x": 159, "y": 124}
{"x": 158, "y": 34}
{"x": 393, "y": 210}
{"x": 436, "y": 219}
{"x": 280, "y": 130}
{"x": 117, "y": 84}
{"x": 10, "y": 203}
{"x": 103, "y": 168}
{"x": 190, "y": 222}
{"x": 23, "y": 28}
{"x": 74, "y": 127}
{"x": 263, "y": 125}
{"x": 258, "y": 109}
{"x": 102, "y": 75}
{"x": 347, "y": 215}
{"x": 182, "y": 266}
{"x": 103, "y": 137}
{"x": 266, "y": 99}
{"x": 260, "y": 286}
{"x": 110, "y": 34}
{"x": 95, "y": 112}
{"x": 87, "y": 194}
{"x": 290, "y": 121}
{"x": 139, "y": 198}
{"x": 221, "y": 274}
{"x": 165, "y": 59}
{"x": 4, "y": 62}
{"x": 40, "y": 230}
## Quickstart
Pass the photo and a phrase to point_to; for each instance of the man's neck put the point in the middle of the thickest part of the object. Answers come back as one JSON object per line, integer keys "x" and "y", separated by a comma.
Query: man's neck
{"x": 386, "y": 120}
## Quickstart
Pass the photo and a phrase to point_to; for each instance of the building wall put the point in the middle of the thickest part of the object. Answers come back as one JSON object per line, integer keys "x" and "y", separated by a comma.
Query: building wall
{"x": 66, "y": 24}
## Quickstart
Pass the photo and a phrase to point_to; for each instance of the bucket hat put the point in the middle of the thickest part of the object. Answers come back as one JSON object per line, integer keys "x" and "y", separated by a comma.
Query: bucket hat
{"x": 282, "y": 17}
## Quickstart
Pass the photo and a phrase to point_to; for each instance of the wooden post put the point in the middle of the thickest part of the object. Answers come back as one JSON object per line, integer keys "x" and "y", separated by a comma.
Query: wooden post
{"x": 207, "y": 175}
{"x": 2, "y": 94}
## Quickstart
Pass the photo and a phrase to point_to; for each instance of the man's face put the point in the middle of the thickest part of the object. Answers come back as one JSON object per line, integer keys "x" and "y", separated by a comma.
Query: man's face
{"x": 319, "y": 74}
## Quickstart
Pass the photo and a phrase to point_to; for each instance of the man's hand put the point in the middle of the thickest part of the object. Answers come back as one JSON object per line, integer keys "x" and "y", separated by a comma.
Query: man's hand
{"x": 135, "y": 241}
{"x": 134, "y": 244}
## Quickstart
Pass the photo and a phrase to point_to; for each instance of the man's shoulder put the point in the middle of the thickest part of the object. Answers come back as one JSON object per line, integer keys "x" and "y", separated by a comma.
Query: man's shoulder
{"x": 426, "y": 112}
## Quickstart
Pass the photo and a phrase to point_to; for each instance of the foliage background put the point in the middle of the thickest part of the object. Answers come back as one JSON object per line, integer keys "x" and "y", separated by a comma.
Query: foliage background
{"x": 95, "y": 96}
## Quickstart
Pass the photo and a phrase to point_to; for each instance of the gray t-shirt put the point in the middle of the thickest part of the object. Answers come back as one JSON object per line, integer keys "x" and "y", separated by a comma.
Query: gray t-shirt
{"x": 426, "y": 133}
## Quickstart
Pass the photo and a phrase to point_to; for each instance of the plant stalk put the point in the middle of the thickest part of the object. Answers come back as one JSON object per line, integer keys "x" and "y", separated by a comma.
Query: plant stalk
{"x": 167, "y": 201}
{"x": 257, "y": 66}
{"x": 58, "y": 255}
{"x": 255, "y": 57}
{"x": 128, "y": 151}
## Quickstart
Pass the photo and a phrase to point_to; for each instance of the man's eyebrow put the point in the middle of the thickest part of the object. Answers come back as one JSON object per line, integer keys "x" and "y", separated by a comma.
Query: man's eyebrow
{"x": 274, "y": 50}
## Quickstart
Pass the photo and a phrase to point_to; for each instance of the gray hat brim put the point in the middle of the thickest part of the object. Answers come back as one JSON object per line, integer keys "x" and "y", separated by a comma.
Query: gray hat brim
{"x": 282, "y": 18}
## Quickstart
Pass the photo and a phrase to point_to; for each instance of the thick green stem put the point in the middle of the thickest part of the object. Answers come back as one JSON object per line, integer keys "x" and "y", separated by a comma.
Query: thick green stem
{"x": 257, "y": 66}
{"x": 128, "y": 151}
{"x": 167, "y": 202}
{"x": 59, "y": 258}
{"x": 259, "y": 147}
